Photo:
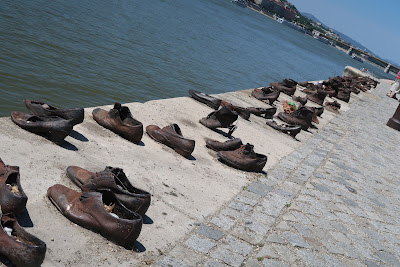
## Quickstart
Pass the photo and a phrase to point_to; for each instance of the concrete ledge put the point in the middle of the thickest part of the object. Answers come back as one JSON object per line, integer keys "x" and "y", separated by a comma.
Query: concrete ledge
{"x": 185, "y": 192}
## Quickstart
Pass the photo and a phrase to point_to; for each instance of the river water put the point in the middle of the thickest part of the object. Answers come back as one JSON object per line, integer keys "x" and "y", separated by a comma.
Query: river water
{"x": 84, "y": 53}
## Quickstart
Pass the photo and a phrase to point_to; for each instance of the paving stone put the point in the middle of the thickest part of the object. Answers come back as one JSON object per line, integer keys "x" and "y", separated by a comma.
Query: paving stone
{"x": 295, "y": 239}
{"x": 214, "y": 263}
{"x": 310, "y": 259}
{"x": 169, "y": 261}
{"x": 267, "y": 252}
{"x": 274, "y": 263}
{"x": 388, "y": 258}
{"x": 223, "y": 222}
{"x": 263, "y": 218}
{"x": 370, "y": 263}
{"x": 227, "y": 256}
{"x": 332, "y": 261}
{"x": 259, "y": 188}
{"x": 321, "y": 188}
{"x": 233, "y": 214}
{"x": 187, "y": 255}
{"x": 253, "y": 263}
{"x": 200, "y": 244}
{"x": 246, "y": 200}
{"x": 210, "y": 232}
{"x": 241, "y": 207}
{"x": 283, "y": 226}
{"x": 275, "y": 238}
{"x": 235, "y": 245}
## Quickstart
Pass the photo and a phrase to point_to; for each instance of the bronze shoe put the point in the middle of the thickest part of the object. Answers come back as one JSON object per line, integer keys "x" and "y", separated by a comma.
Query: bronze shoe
{"x": 210, "y": 101}
{"x": 171, "y": 136}
{"x": 39, "y": 108}
{"x": 53, "y": 128}
{"x": 120, "y": 121}
{"x": 286, "y": 90}
{"x": 114, "y": 179}
{"x": 317, "y": 97}
{"x": 242, "y": 112}
{"x": 267, "y": 112}
{"x": 12, "y": 197}
{"x": 222, "y": 118}
{"x": 229, "y": 145}
{"x": 301, "y": 100}
{"x": 266, "y": 94}
{"x": 99, "y": 212}
{"x": 20, "y": 247}
{"x": 301, "y": 116}
{"x": 291, "y": 130}
{"x": 244, "y": 158}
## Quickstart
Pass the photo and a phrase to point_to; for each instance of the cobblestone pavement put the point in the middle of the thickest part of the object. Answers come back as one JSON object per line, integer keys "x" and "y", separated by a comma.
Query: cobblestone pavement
{"x": 333, "y": 202}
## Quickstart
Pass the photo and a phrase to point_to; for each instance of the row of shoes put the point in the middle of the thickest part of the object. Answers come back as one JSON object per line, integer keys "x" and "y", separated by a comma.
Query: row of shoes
{"x": 232, "y": 152}
{"x": 48, "y": 121}
{"x": 20, "y": 247}
{"x": 107, "y": 204}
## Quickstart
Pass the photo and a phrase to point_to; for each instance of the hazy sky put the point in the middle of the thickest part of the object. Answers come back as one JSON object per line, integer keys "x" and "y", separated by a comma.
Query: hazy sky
{"x": 373, "y": 23}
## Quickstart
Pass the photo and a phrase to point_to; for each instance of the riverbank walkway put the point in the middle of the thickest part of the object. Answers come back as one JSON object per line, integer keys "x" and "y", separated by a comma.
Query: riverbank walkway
{"x": 334, "y": 201}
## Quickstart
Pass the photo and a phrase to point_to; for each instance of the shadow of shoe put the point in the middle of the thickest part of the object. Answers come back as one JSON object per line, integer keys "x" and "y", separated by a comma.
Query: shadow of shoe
{"x": 6, "y": 261}
{"x": 67, "y": 145}
{"x": 147, "y": 220}
{"x": 24, "y": 219}
{"x": 141, "y": 143}
{"x": 223, "y": 133}
{"x": 139, "y": 247}
{"x": 191, "y": 158}
{"x": 78, "y": 136}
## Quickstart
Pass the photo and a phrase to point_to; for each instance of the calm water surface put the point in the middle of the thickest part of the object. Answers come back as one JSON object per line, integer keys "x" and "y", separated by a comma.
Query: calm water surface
{"x": 85, "y": 53}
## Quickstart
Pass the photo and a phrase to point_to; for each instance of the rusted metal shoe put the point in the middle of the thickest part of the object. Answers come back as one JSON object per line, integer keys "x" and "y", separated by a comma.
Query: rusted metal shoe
{"x": 286, "y": 90}
{"x": 317, "y": 97}
{"x": 263, "y": 112}
{"x": 244, "y": 158}
{"x": 224, "y": 146}
{"x": 40, "y": 108}
{"x": 289, "y": 83}
{"x": 12, "y": 197}
{"x": 222, "y": 118}
{"x": 344, "y": 95}
{"x": 303, "y": 84}
{"x": 171, "y": 136}
{"x": 20, "y": 247}
{"x": 99, "y": 212}
{"x": 210, "y": 101}
{"x": 301, "y": 100}
{"x": 114, "y": 179}
{"x": 120, "y": 121}
{"x": 316, "y": 110}
{"x": 242, "y": 112}
{"x": 301, "y": 116}
{"x": 53, "y": 128}
{"x": 334, "y": 106}
{"x": 266, "y": 94}
{"x": 291, "y": 130}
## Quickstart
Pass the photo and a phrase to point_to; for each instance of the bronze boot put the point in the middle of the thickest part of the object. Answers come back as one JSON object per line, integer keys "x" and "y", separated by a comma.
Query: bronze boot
{"x": 224, "y": 146}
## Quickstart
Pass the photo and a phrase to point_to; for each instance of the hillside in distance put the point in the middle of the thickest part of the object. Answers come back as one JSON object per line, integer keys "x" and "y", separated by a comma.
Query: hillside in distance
{"x": 342, "y": 35}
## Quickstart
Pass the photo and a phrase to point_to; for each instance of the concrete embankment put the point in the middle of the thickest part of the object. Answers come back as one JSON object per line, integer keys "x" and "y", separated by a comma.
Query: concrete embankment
{"x": 185, "y": 192}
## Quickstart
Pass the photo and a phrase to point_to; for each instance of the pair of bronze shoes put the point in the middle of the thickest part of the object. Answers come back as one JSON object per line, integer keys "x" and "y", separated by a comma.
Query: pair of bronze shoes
{"x": 19, "y": 246}
{"x": 108, "y": 204}
{"x": 53, "y": 123}
{"x": 234, "y": 154}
